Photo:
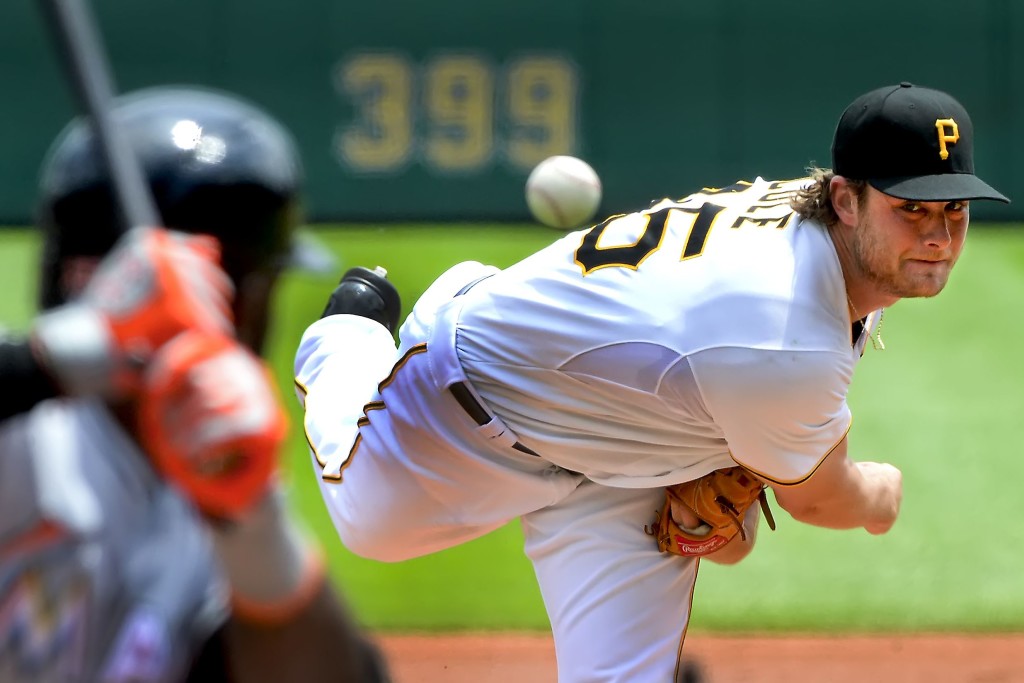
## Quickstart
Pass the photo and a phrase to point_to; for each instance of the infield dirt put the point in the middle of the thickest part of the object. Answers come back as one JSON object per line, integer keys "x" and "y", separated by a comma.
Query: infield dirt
{"x": 523, "y": 658}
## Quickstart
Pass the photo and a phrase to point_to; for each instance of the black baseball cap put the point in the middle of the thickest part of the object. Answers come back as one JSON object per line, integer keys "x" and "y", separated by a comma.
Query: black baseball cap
{"x": 910, "y": 142}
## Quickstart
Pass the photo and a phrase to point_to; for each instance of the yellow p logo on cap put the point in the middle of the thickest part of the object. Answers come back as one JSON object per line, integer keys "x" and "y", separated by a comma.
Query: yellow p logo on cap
{"x": 948, "y": 132}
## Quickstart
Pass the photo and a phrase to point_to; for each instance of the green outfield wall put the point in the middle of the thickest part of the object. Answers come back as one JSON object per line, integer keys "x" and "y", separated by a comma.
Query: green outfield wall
{"x": 437, "y": 110}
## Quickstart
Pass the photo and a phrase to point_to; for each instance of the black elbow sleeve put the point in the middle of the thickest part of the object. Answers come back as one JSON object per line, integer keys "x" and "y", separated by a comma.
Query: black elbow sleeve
{"x": 23, "y": 379}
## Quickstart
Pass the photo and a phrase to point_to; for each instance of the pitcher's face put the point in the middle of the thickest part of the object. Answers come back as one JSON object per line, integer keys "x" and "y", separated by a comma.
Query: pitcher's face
{"x": 907, "y": 248}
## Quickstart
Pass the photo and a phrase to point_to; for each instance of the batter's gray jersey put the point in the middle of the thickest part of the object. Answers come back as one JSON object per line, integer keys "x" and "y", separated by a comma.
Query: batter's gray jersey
{"x": 106, "y": 574}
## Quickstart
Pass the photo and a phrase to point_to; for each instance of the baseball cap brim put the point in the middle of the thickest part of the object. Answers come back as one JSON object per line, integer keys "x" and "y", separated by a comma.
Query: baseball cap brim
{"x": 945, "y": 187}
{"x": 309, "y": 254}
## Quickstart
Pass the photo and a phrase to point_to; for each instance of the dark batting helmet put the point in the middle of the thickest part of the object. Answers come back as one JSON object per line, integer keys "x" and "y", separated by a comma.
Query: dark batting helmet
{"x": 215, "y": 164}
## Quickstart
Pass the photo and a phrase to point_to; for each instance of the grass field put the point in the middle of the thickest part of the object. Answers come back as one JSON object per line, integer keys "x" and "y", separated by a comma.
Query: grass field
{"x": 943, "y": 402}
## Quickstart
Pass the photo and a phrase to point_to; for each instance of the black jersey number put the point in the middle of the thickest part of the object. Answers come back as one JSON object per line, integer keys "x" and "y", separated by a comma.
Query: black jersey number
{"x": 591, "y": 256}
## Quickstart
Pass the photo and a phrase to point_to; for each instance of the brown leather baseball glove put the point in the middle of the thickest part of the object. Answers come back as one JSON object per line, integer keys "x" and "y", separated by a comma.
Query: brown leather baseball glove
{"x": 719, "y": 500}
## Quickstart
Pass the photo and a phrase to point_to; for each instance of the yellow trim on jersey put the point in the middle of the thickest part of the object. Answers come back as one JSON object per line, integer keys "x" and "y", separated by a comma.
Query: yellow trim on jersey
{"x": 414, "y": 351}
{"x": 689, "y": 614}
{"x": 305, "y": 430}
{"x": 794, "y": 482}
{"x": 361, "y": 422}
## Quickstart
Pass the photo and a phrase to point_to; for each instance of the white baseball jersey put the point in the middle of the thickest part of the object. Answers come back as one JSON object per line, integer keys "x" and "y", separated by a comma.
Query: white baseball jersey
{"x": 106, "y": 574}
{"x": 665, "y": 344}
{"x": 649, "y": 350}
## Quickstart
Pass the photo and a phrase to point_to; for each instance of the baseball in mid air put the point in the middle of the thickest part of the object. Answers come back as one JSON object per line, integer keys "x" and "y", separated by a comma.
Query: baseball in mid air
{"x": 563, "y": 192}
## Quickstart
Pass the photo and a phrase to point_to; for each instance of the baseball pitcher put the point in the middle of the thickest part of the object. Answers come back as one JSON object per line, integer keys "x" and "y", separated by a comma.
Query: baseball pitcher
{"x": 629, "y": 390}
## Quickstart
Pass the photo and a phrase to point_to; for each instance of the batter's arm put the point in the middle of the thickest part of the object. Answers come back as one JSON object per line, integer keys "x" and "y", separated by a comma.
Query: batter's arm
{"x": 321, "y": 643}
{"x": 844, "y": 494}
{"x": 288, "y": 622}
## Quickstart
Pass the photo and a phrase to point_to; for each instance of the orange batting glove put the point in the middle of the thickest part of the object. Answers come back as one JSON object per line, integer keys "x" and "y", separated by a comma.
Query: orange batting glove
{"x": 153, "y": 286}
{"x": 212, "y": 422}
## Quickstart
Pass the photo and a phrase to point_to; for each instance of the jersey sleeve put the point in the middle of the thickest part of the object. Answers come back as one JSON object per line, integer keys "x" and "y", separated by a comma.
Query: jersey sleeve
{"x": 781, "y": 412}
{"x": 339, "y": 362}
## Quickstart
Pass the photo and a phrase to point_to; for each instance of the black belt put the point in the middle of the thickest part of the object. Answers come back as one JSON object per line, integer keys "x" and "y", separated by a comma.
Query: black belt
{"x": 465, "y": 397}
{"x": 479, "y": 414}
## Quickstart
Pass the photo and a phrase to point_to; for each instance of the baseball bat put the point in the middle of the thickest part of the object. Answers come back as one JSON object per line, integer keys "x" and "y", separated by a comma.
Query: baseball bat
{"x": 86, "y": 65}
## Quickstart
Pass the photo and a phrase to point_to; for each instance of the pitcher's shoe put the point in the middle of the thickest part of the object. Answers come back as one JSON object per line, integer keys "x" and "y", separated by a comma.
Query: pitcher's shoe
{"x": 367, "y": 293}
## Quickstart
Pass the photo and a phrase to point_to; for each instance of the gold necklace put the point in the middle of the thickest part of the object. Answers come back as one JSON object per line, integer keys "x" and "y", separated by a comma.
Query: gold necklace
{"x": 876, "y": 339}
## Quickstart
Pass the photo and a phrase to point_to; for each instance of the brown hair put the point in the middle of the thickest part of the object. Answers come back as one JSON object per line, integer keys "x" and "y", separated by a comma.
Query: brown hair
{"x": 814, "y": 202}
